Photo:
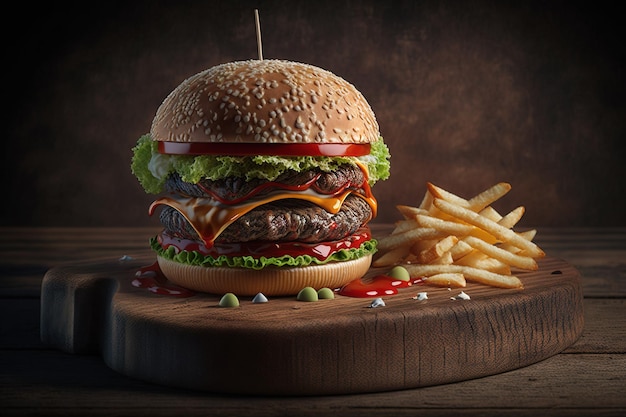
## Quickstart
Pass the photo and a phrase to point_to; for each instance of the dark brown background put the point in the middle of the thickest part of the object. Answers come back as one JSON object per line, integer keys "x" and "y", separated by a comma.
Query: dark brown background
{"x": 466, "y": 93}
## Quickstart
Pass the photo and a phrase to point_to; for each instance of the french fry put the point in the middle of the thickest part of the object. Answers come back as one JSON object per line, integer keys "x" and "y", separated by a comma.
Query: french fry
{"x": 488, "y": 196}
{"x": 391, "y": 257}
{"x": 522, "y": 262}
{"x": 490, "y": 213}
{"x": 410, "y": 212}
{"x": 500, "y": 232}
{"x": 406, "y": 238}
{"x": 493, "y": 265}
{"x": 511, "y": 219}
{"x": 437, "y": 250}
{"x": 528, "y": 235}
{"x": 477, "y": 259}
{"x": 427, "y": 201}
{"x": 470, "y": 273}
{"x": 404, "y": 226}
{"x": 444, "y": 259}
{"x": 446, "y": 279}
{"x": 445, "y": 226}
{"x": 440, "y": 193}
{"x": 460, "y": 250}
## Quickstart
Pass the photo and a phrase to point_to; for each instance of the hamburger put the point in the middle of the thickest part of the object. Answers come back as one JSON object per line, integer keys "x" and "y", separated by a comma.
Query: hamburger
{"x": 263, "y": 171}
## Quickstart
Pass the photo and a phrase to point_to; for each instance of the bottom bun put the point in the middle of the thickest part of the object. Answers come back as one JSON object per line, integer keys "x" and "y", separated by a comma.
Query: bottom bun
{"x": 269, "y": 281}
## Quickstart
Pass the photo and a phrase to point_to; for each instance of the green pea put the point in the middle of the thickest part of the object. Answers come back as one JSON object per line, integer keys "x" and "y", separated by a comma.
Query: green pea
{"x": 229, "y": 300}
{"x": 325, "y": 294}
{"x": 307, "y": 294}
{"x": 399, "y": 272}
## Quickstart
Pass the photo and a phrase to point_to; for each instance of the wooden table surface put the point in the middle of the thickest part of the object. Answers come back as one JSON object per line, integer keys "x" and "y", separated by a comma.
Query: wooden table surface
{"x": 588, "y": 378}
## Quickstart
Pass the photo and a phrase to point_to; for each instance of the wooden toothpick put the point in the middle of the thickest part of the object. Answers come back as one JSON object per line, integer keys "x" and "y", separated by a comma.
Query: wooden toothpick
{"x": 258, "y": 34}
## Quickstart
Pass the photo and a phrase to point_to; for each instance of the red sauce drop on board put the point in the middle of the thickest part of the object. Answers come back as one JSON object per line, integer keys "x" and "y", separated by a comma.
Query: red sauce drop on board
{"x": 151, "y": 278}
{"x": 378, "y": 286}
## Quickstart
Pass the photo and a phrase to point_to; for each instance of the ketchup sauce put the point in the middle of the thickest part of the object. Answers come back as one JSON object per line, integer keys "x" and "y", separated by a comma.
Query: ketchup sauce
{"x": 378, "y": 286}
{"x": 151, "y": 278}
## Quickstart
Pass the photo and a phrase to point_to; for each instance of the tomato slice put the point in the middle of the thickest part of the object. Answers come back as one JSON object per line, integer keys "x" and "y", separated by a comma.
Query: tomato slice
{"x": 277, "y": 149}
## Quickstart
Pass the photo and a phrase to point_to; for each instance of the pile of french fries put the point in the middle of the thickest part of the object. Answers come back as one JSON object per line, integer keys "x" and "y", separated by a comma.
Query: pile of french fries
{"x": 449, "y": 240}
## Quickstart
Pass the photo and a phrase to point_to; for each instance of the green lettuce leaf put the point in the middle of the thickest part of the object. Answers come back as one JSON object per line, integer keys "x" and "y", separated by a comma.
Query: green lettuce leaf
{"x": 198, "y": 259}
{"x": 152, "y": 168}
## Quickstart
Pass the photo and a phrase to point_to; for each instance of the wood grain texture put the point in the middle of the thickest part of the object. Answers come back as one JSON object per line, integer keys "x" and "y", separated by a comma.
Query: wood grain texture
{"x": 586, "y": 379}
{"x": 286, "y": 347}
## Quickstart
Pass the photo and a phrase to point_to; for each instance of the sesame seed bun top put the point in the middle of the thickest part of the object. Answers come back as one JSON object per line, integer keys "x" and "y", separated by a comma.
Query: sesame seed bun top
{"x": 267, "y": 101}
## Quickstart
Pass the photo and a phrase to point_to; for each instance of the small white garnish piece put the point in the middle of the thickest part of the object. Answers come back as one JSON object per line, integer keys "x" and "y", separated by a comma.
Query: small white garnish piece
{"x": 421, "y": 296}
{"x": 125, "y": 258}
{"x": 377, "y": 303}
{"x": 260, "y": 298}
{"x": 461, "y": 296}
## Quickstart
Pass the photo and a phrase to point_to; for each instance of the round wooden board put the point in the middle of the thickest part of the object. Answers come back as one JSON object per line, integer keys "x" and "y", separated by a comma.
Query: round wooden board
{"x": 290, "y": 347}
